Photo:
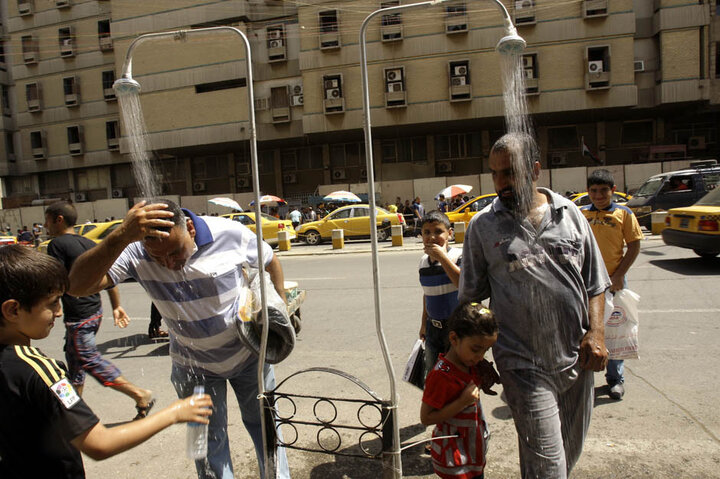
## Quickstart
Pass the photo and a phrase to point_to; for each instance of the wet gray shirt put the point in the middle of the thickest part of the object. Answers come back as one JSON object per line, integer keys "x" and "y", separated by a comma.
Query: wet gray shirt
{"x": 538, "y": 282}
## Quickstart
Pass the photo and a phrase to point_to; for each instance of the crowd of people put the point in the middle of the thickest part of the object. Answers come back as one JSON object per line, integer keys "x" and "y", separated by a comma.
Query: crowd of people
{"x": 544, "y": 265}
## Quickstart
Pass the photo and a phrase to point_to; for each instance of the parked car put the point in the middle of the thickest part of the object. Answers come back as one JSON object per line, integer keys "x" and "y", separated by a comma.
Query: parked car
{"x": 94, "y": 231}
{"x": 354, "y": 220}
{"x": 463, "y": 213}
{"x": 696, "y": 227}
{"x": 582, "y": 199}
{"x": 7, "y": 240}
{"x": 674, "y": 190}
{"x": 270, "y": 225}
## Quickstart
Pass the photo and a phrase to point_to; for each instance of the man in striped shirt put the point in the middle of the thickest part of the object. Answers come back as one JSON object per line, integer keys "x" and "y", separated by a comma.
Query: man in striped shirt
{"x": 191, "y": 267}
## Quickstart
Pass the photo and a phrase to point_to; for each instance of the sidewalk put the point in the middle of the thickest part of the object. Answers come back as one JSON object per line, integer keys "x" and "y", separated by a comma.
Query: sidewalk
{"x": 352, "y": 246}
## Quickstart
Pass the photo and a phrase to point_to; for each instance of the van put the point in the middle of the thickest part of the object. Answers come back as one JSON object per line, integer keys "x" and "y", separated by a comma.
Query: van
{"x": 674, "y": 189}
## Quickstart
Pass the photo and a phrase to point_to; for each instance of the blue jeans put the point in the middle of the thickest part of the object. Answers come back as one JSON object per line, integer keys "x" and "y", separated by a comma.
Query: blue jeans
{"x": 614, "y": 373}
{"x": 435, "y": 343}
{"x": 218, "y": 463}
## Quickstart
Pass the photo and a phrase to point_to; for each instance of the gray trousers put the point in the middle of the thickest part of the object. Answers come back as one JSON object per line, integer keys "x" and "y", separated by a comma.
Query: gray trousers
{"x": 552, "y": 416}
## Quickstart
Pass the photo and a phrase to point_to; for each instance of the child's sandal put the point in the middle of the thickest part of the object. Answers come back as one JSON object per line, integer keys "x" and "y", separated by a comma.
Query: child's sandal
{"x": 143, "y": 411}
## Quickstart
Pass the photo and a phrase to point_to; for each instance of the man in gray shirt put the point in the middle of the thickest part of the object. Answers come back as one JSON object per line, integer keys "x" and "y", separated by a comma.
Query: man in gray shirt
{"x": 545, "y": 277}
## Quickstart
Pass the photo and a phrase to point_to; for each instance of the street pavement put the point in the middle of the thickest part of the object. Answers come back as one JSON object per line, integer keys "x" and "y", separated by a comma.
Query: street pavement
{"x": 667, "y": 425}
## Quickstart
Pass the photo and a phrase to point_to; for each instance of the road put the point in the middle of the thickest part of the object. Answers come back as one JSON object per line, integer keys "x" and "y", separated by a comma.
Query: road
{"x": 666, "y": 427}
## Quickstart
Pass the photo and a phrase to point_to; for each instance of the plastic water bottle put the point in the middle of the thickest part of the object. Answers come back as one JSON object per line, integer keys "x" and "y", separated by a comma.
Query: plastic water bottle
{"x": 197, "y": 434}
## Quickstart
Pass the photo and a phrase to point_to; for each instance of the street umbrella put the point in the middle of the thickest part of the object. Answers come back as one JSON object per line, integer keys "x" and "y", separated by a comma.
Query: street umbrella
{"x": 454, "y": 190}
{"x": 269, "y": 200}
{"x": 341, "y": 197}
{"x": 226, "y": 202}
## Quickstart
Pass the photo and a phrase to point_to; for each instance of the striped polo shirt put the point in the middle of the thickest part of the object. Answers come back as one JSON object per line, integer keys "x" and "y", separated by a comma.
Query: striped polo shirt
{"x": 197, "y": 301}
{"x": 441, "y": 295}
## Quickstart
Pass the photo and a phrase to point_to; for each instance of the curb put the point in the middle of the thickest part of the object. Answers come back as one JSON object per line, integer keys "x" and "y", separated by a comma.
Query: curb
{"x": 364, "y": 249}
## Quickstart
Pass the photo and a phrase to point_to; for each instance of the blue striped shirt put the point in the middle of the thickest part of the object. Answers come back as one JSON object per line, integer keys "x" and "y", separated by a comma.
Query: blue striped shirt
{"x": 441, "y": 295}
{"x": 197, "y": 301}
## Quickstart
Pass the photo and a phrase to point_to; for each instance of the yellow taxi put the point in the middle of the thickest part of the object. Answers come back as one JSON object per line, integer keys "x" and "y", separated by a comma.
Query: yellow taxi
{"x": 463, "y": 213}
{"x": 7, "y": 240}
{"x": 270, "y": 225}
{"x": 94, "y": 231}
{"x": 582, "y": 199}
{"x": 695, "y": 227}
{"x": 354, "y": 220}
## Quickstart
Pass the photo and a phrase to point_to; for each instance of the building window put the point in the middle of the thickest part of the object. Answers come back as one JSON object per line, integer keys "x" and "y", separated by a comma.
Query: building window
{"x": 104, "y": 35}
{"x": 66, "y": 41}
{"x": 71, "y": 90}
{"x": 280, "y": 104}
{"x": 595, "y": 8}
{"x": 2, "y": 53}
{"x": 391, "y": 25}
{"x": 333, "y": 101}
{"x": 25, "y": 7}
{"x": 563, "y": 138}
{"x": 29, "y": 49}
{"x": 524, "y": 12}
{"x": 530, "y": 72}
{"x": 344, "y": 155}
{"x": 37, "y": 144}
{"x": 456, "y": 18}
{"x": 395, "y": 94}
{"x": 329, "y": 30}
{"x": 221, "y": 85}
{"x": 112, "y": 134}
{"x": 404, "y": 150}
{"x": 108, "y": 78}
{"x": 717, "y": 58}
{"x": 598, "y": 67}
{"x": 33, "y": 97}
{"x": 74, "y": 138}
{"x": 276, "y": 43}
{"x": 5, "y": 100}
{"x": 460, "y": 89}
{"x": 637, "y": 132}
{"x": 10, "y": 146}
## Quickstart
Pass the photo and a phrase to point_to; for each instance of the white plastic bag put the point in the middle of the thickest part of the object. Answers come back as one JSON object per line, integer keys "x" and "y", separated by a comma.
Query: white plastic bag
{"x": 621, "y": 324}
{"x": 415, "y": 367}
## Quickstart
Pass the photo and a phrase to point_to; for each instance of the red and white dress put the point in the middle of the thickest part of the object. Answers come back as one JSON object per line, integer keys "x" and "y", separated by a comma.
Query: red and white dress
{"x": 463, "y": 456}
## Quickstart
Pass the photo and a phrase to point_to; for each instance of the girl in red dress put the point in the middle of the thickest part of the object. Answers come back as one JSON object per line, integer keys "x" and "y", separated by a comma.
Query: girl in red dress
{"x": 451, "y": 400}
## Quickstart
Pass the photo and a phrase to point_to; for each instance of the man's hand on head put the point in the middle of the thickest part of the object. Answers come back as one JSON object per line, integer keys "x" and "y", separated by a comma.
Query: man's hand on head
{"x": 143, "y": 220}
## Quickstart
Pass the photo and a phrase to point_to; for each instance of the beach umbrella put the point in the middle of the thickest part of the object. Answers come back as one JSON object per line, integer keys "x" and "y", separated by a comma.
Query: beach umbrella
{"x": 226, "y": 202}
{"x": 342, "y": 197}
{"x": 269, "y": 200}
{"x": 454, "y": 190}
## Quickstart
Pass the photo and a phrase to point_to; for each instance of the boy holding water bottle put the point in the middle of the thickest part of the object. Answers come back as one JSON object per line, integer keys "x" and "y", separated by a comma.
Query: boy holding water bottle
{"x": 44, "y": 423}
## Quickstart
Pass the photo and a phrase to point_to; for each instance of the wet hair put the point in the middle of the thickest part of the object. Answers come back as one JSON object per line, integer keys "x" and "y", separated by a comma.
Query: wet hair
{"x": 517, "y": 144}
{"x": 179, "y": 219}
{"x": 65, "y": 209}
{"x": 29, "y": 276}
{"x": 435, "y": 216}
{"x": 472, "y": 319}
{"x": 601, "y": 177}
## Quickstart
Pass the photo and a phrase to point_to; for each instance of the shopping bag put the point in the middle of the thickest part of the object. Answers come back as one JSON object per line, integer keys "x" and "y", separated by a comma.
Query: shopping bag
{"x": 621, "y": 325}
{"x": 415, "y": 367}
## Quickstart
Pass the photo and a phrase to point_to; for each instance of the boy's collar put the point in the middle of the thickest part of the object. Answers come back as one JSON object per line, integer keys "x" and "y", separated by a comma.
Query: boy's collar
{"x": 611, "y": 207}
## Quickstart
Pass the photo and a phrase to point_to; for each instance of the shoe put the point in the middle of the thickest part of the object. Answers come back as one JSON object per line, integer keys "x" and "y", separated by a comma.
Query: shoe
{"x": 157, "y": 334}
{"x": 617, "y": 391}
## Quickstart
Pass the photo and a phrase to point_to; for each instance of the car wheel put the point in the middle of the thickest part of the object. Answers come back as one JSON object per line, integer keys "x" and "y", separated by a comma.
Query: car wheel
{"x": 383, "y": 233}
{"x": 706, "y": 254}
{"x": 312, "y": 237}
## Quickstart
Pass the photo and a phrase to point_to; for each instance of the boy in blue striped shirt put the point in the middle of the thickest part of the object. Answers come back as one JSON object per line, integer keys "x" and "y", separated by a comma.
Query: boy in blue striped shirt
{"x": 439, "y": 275}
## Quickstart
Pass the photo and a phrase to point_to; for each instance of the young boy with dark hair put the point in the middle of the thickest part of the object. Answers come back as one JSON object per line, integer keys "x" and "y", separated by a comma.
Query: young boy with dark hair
{"x": 44, "y": 423}
{"x": 614, "y": 227}
{"x": 83, "y": 315}
{"x": 439, "y": 274}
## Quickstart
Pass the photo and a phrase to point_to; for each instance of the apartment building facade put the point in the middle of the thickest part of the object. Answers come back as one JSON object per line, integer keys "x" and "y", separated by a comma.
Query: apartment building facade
{"x": 635, "y": 79}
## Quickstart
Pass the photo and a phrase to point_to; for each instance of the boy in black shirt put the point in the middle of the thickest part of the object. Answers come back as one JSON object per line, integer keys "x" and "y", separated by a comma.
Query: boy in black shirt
{"x": 83, "y": 315}
{"x": 43, "y": 421}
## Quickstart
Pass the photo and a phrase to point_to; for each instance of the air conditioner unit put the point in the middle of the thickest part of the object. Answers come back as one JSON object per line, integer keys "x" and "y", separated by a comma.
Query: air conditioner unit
{"x": 297, "y": 90}
{"x": 243, "y": 168}
{"x": 331, "y": 84}
{"x": 528, "y": 61}
{"x": 558, "y": 159}
{"x": 113, "y": 144}
{"x": 523, "y": 4}
{"x": 275, "y": 43}
{"x": 332, "y": 93}
{"x": 62, "y": 3}
{"x": 25, "y": 8}
{"x": 595, "y": 66}
{"x": 274, "y": 34}
{"x": 457, "y": 81}
{"x": 460, "y": 70}
{"x": 338, "y": 174}
{"x": 639, "y": 66}
{"x": 75, "y": 149}
{"x": 80, "y": 197}
{"x": 393, "y": 75}
{"x": 117, "y": 193}
{"x": 71, "y": 99}
{"x": 243, "y": 182}
{"x": 297, "y": 100}
{"x": 395, "y": 86}
{"x": 443, "y": 166}
{"x": 199, "y": 186}
{"x": 696, "y": 143}
{"x": 261, "y": 104}
{"x": 109, "y": 93}
{"x": 528, "y": 73}
{"x": 289, "y": 178}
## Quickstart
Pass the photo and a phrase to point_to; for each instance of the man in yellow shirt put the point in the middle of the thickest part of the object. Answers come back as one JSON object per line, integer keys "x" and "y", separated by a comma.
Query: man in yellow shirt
{"x": 614, "y": 227}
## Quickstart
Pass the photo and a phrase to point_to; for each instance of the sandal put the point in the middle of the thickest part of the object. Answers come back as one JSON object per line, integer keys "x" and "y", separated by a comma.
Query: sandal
{"x": 143, "y": 411}
{"x": 157, "y": 334}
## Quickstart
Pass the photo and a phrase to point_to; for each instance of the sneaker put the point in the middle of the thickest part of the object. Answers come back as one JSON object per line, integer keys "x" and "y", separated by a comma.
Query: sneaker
{"x": 617, "y": 391}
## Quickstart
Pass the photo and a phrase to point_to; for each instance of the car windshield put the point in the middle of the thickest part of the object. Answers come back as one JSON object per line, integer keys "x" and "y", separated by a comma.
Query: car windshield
{"x": 650, "y": 187}
{"x": 711, "y": 199}
{"x": 266, "y": 216}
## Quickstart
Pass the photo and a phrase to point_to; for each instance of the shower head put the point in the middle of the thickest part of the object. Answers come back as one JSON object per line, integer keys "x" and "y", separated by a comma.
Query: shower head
{"x": 126, "y": 85}
{"x": 511, "y": 43}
